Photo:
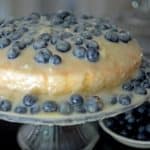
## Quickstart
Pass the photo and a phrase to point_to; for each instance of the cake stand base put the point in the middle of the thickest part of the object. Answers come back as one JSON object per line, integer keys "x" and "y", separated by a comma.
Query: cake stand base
{"x": 78, "y": 137}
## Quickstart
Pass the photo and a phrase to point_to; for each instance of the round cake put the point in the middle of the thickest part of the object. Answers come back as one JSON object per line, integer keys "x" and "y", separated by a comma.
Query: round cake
{"x": 58, "y": 63}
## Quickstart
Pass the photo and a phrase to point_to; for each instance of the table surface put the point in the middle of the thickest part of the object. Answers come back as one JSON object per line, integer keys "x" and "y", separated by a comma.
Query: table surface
{"x": 8, "y": 133}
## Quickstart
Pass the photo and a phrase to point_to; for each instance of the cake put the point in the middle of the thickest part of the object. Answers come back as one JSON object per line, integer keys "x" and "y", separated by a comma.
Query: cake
{"x": 57, "y": 63}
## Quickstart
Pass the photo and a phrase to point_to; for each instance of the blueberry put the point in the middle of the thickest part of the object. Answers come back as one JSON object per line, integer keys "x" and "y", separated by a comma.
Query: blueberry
{"x": 141, "y": 136}
{"x": 29, "y": 100}
{"x": 145, "y": 84}
{"x": 55, "y": 59}
{"x": 124, "y": 133}
{"x": 113, "y": 100}
{"x": 78, "y": 40}
{"x": 40, "y": 43}
{"x": 141, "y": 109}
{"x": 65, "y": 108}
{"x": 140, "y": 90}
{"x": 141, "y": 129}
{"x": 49, "y": 106}
{"x": 54, "y": 39}
{"x": 76, "y": 100}
{"x": 147, "y": 128}
{"x": 79, "y": 52}
{"x": 4, "y": 42}
{"x": 124, "y": 100}
{"x": 63, "y": 46}
{"x": 71, "y": 20}
{"x": 66, "y": 35}
{"x": 33, "y": 16}
{"x": 79, "y": 28}
{"x": 105, "y": 26}
{"x": 27, "y": 40}
{"x": 63, "y": 14}
{"x": 96, "y": 32}
{"x": 56, "y": 20}
{"x": 124, "y": 36}
{"x": 43, "y": 56}
{"x": 111, "y": 36}
{"x": 109, "y": 123}
{"x": 127, "y": 86}
{"x": 5, "y": 105}
{"x": 45, "y": 36}
{"x": 19, "y": 44}
{"x": 135, "y": 83}
{"x": 141, "y": 75}
{"x": 35, "y": 109}
{"x": 13, "y": 53}
{"x": 92, "y": 105}
{"x": 131, "y": 120}
{"x": 21, "y": 109}
{"x": 86, "y": 35}
{"x": 92, "y": 55}
{"x": 16, "y": 35}
{"x": 92, "y": 44}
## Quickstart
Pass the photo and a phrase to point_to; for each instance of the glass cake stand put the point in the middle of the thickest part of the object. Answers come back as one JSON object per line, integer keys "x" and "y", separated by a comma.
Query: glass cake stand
{"x": 69, "y": 133}
{"x": 64, "y": 132}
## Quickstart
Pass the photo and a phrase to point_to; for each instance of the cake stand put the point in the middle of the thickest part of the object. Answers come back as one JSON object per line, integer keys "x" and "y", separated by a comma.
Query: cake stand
{"x": 75, "y": 132}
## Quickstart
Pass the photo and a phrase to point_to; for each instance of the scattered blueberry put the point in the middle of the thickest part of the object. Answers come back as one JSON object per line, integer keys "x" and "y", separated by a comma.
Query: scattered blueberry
{"x": 65, "y": 108}
{"x": 92, "y": 55}
{"x": 5, "y": 105}
{"x": 55, "y": 59}
{"x": 19, "y": 44}
{"x": 79, "y": 52}
{"x": 124, "y": 100}
{"x": 63, "y": 46}
{"x": 45, "y": 36}
{"x": 35, "y": 109}
{"x": 4, "y": 42}
{"x": 113, "y": 100}
{"x": 86, "y": 35}
{"x": 111, "y": 36}
{"x": 21, "y": 109}
{"x": 29, "y": 100}
{"x": 49, "y": 106}
{"x": 43, "y": 56}
{"x": 127, "y": 86}
{"x": 78, "y": 40}
{"x": 13, "y": 53}
{"x": 124, "y": 36}
{"x": 76, "y": 100}
{"x": 40, "y": 43}
{"x": 92, "y": 44}
{"x": 140, "y": 90}
{"x": 92, "y": 105}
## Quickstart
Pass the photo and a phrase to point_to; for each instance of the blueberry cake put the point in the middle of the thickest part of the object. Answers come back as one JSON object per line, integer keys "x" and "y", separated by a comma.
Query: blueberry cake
{"x": 57, "y": 64}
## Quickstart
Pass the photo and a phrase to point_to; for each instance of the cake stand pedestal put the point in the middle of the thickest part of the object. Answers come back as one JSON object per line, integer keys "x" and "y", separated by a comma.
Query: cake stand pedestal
{"x": 41, "y": 137}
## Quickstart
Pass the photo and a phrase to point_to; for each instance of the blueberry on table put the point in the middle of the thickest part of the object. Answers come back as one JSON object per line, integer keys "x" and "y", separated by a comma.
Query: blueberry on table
{"x": 21, "y": 109}
{"x": 5, "y": 105}
{"x": 4, "y": 42}
{"x": 86, "y": 35}
{"x": 79, "y": 52}
{"x": 16, "y": 35}
{"x": 124, "y": 100}
{"x": 29, "y": 100}
{"x": 55, "y": 60}
{"x": 63, "y": 14}
{"x": 49, "y": 106}
{"x": 112, "y": 36}
{"x": 13, "y": 53}
{"x": 19, "y": 44}
{"x": 92, "y": 55}
{"x": 63, "y": 46}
